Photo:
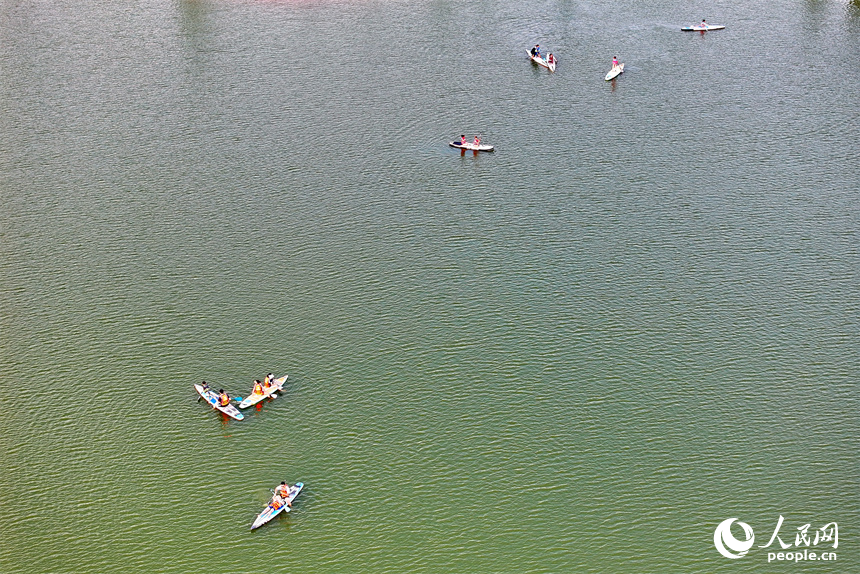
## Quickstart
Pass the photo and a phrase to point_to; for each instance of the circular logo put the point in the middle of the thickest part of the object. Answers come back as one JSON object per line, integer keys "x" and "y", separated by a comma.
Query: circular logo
{"x": 726, "y": 543}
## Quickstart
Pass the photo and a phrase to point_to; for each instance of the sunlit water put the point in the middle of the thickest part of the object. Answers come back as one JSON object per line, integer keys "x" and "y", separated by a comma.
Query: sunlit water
{"x": 634, "y": 320}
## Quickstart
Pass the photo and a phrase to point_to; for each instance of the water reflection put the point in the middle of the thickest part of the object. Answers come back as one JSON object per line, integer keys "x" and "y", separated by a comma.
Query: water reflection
{"x": 195, "y": 22}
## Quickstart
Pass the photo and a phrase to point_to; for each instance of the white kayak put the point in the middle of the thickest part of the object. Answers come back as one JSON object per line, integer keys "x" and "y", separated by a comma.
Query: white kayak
{"x": 541, "y": 62}
{"x": 255, "y": 398}
{"x": 212, "y": 397}
{"x": 614, "y": 72}
{"x": 700, "y": 28}
{"x": 269, "y": 512}
{"x": 471, "y": 146}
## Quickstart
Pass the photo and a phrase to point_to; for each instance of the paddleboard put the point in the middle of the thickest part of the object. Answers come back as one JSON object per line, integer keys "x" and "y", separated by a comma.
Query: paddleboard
{"x": 614, "y": 72}
{"x": 254, "y": 398}
{"x": 269, "y": 513}
{"x": 541, "y": 62}
{"x": 212, "y": 397}
{"x": 472, "y": 147}
{"x": 700, "y": 28}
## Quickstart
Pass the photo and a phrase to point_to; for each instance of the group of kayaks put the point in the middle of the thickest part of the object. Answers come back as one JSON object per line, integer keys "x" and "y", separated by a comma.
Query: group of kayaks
{"x": 550, "y": 62}
{"x": 260, "y": 392}
{"x": 283, "y": 494}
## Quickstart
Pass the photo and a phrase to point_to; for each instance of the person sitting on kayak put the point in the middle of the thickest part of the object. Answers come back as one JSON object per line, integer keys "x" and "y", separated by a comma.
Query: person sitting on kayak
{"x": 550, "y": 59}
{"x": 703, "y": 24}
{"x": 615, "y": 62}
{"x": 223, "y": 398}
{"x": 277, "y": 502}
{"x": 462, "y": 140}
{"x": 477, "y": 140}
{"x": 537, "y": 50}
{"x": 283, "y": 491}
{"x": 258, "y": 387}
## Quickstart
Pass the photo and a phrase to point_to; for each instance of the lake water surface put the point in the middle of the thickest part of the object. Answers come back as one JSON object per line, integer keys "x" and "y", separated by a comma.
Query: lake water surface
{"x": 639, "y": 317}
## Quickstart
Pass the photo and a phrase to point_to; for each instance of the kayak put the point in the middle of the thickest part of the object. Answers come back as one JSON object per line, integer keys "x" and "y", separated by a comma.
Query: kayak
{"x": 700, "y": 28}
{"x": 212, "y": 397}
{"x": 269, "y": 512}
{"x": 541, "y": 62}
{"x": 255, "y": 398}
{"x": 614, "y": 72}
{"x": 471, "y": 146}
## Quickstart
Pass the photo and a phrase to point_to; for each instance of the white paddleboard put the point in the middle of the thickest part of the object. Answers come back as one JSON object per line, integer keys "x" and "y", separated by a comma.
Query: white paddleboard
{"x": 471, "y": 146}
{"x": 254, "y": 398}
{"x": 700, "y": 28}
{"x": 269, "y": 513}
{"x": 541, "y": 62}
{"x": 614, "y": 72}
{"x": 212, "y": 398}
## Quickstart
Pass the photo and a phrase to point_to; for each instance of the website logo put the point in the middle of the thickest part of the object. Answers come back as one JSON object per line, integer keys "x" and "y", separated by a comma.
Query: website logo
{"x": 727, "y": 544}
{"x": 805, "y": 542}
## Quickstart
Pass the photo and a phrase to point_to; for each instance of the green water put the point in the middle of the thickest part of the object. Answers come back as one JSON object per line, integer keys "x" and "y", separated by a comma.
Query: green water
{"x": 634, "y": 320}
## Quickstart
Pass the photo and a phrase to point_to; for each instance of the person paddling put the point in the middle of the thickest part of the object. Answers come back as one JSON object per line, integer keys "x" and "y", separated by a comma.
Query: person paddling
{"x": 477, "y": 140}
{"x": 703, "y": 24}
{"x": 283, "y": 491}
{"x": 223, "y": 398}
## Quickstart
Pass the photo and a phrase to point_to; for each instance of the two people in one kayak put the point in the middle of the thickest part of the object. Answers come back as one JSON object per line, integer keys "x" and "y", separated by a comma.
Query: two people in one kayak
{"x": 535, "y": 52}
{"x": 281, "y": 496}
{"x": 261, "y": 388}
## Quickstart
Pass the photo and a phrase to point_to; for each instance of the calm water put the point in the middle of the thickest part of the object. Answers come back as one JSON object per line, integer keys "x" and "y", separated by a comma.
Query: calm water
{"x": 636, "y": 319}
